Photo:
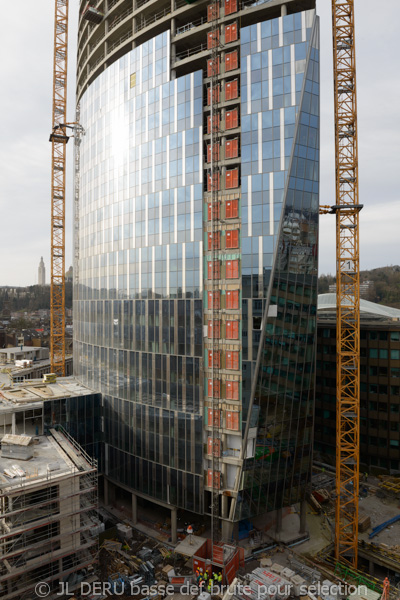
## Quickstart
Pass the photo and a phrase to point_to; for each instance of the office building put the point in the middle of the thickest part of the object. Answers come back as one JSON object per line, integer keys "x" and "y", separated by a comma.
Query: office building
{"x": 379, "y": 386}
{"x": 41, "y": 272}
{"x": 196, "y": 249}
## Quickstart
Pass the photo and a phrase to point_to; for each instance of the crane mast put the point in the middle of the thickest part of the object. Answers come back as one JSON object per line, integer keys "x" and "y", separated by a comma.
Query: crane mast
{"x": 347, "y": 211}
{"x": 58, "y": 139}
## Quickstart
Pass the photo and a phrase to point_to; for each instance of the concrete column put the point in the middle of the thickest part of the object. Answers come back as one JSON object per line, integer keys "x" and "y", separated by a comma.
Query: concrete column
{"x": 173, "y": 59}
{"x": 224, "y": 506}
{"x": 227, "y": 530}
{"x": 174, "y": 525}
{"x": 173, "y": 26}
{"x": 371, "y": 569}
{"x": 223, "y": 174}
{"x": 13, "y": 422}
{"x": 303, "y": 516}
{"x": 106, "y": 498}
{"x": 278, "y": 526}
{"x": 134, "y": 509}
{"x": 283, "y": 10}
{"x": 134, "y": 25}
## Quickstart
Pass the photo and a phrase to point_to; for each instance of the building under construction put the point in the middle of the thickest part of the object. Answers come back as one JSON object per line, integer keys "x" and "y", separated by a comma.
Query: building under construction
{"x": 48, "y": 499}
{"x": 196, "y": 250}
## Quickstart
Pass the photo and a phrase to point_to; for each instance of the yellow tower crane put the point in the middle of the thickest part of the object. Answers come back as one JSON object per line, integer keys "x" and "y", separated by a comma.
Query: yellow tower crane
{"x": 58, "y": 139}
{"x": 347, "y": 211}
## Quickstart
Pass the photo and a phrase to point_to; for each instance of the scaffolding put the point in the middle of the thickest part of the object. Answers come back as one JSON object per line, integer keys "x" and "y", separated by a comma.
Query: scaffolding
{"x": 48, "y": 519}
{"x": 214, "y": 172}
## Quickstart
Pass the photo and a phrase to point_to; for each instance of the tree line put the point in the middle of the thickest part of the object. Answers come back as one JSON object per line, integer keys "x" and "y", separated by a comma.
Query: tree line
{"x": 384, "y": 289}
{"x": 31, "y": 298}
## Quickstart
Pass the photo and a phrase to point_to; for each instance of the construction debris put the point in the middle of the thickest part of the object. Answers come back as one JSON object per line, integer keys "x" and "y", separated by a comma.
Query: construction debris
{"x": 364, "y": 523}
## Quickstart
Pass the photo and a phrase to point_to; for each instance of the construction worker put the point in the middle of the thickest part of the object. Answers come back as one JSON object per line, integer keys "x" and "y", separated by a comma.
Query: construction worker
{"x": 205, "y": 575}
{"x": 215, "y": 576}
{"x": 220, "y": 579}
{"x": 190, "y": 534}
{"x": 209, "y": 588}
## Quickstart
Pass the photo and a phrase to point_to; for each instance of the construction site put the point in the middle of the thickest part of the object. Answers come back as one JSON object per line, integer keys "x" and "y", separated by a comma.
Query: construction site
{"x": 54, "y": 530}
{"x": 48, "y": 514}
{"x": 191, "y": 408}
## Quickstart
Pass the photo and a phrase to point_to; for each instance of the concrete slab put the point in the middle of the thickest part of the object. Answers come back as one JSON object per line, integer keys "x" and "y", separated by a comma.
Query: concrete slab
{"x": 190, "y": 549}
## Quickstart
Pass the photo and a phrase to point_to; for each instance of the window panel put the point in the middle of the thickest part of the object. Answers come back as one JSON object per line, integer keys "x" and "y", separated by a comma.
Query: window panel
{"x": 232, "y": 299}
{"x": 232, "y": 360}
{"x": 231, "y": 209}
{"x": 232, "y": 390}
{"x": 231, "y": 34}
{"x": 232, "y": 269}
{"x": 232, "y": 148}
{"x": 231, "y": 61}
{"x": 231, "y": 90}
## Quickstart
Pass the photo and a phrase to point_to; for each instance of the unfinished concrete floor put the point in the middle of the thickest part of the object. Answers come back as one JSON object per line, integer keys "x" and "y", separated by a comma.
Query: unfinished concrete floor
{"x": 381, "y": 510}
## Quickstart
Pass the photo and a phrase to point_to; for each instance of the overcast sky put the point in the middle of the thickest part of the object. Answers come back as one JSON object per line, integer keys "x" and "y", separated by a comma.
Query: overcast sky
{"x": 26, "y": 46}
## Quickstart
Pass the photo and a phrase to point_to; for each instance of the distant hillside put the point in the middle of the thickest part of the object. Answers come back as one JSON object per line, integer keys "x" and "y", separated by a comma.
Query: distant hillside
{"x": 31, "y": 298}
{"x": 385, "y": 287}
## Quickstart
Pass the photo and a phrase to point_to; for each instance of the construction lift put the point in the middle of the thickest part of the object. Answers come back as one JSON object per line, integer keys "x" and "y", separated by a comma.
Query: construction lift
{"x": 346, "y": 209}
{"x": 92, "y": 14}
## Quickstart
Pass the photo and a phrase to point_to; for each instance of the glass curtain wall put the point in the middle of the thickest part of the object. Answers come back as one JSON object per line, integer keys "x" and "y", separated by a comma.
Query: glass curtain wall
{"x": 280, "y": 184}
{"x": 138, "y": 317}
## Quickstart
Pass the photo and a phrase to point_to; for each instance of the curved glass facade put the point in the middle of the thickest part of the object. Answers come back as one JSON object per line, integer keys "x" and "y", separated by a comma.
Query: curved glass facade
{"x": 154, "y": 330}
{"x": 138, "y": 310}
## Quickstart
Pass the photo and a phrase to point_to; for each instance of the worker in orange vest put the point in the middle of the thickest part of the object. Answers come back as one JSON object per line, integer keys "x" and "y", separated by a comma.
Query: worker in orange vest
{"x": 190, "y": 534}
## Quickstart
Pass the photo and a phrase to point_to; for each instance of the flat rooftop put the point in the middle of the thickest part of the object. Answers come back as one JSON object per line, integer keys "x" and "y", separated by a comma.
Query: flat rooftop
{"x": 23, "y": 349}
{"x": 54, "y": 456}
{"x": 368, "y": 310}
{"x": 32, "y": 393}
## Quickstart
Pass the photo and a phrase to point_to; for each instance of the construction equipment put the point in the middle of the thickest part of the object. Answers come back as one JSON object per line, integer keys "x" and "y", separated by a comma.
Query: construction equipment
{"x": 214, "y": 175}
{"x": 58, "y": 139}
{"x": 347, "y": 211}
{"x": 383, "y": 526}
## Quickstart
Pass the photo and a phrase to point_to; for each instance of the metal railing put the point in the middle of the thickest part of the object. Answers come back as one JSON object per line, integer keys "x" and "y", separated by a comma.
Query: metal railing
{"x": 250, "y": 3}
{"x": 112, "y": 3}
{"x": 141, "y": 3}
{"x": 77, "y": 447}
{"x": 191, "y": 25}
{"x": 119, "y": 18}
{"x": 97, "y": 62}
{"x": 96, "y": 42}
{"x": 190, "y": 51}
{"x": 145, "y": 21}
{"x": 120, "y": 41}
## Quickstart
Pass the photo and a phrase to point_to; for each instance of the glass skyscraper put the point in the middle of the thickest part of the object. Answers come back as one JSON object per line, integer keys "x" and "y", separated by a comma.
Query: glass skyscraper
{"x": 180, "y": 299}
